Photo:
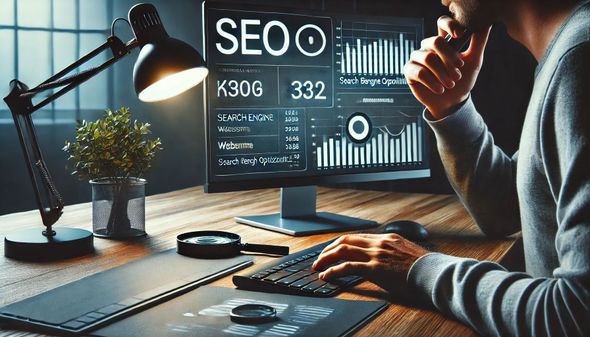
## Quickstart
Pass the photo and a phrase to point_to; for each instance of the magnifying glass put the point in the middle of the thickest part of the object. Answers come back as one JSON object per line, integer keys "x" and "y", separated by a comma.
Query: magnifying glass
{"x": 253, "y": 314}
{"x": 219, "y": 245}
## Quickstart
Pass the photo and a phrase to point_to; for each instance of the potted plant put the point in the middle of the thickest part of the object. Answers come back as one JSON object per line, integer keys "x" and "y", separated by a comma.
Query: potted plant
{"x": 113, "y": 153}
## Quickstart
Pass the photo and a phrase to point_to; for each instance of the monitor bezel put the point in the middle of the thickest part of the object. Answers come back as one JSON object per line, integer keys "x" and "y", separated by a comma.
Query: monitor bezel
{"x": 278, "y": 182}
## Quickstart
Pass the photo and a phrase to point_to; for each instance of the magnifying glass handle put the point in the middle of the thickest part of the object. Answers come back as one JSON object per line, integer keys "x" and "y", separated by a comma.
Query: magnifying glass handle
{"x": 266, "y": 249}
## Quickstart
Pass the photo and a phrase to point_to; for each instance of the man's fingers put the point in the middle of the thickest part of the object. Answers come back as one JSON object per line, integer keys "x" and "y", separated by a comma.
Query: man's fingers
{"x": 363, "y": 240}
{"x": 479, "y": 40}
{"x": 345, "y": 268}
{"x": 449, "y": 56}
{"x": 359, "y": 240}
{"x": 418, "y": 74}
{"x": 342, "y": 252}
{"x": 447, "y": 25}
{"x": 431, "y": 61}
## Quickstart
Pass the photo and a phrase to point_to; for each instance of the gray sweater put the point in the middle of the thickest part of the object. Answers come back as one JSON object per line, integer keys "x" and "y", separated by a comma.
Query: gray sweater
{"x": 543, "y": 191}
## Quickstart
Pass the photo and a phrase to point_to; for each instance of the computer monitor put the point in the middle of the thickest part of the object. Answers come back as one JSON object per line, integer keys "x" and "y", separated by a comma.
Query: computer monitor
{"x": 295, "y": 99}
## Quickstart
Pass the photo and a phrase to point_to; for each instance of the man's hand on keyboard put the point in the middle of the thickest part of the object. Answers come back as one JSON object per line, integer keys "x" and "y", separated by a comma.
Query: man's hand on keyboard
{"x": 379, "y": 258}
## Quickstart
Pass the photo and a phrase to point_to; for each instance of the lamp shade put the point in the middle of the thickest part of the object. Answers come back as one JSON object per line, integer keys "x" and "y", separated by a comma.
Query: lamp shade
{"x": 166, "y": 69}
{"x": 165, "y": 66}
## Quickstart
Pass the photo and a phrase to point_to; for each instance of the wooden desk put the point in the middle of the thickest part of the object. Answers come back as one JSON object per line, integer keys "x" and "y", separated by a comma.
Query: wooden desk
{"x": 452, "y": 229}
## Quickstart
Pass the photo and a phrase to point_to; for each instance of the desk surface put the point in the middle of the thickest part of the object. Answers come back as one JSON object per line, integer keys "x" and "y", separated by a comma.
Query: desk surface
{"x": 452, "y": 230}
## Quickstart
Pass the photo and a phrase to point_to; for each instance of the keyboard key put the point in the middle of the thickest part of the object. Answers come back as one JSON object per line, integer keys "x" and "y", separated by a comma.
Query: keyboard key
{"x": 290, "y": 279}
{"x": 271, "y": 270}
{"x": 331, "y": 286}
{"x": 74, "y": 325}
{"x": 304, "y": 281}
{"x": 344, "y": 280}
{"x": 259, "y": 276}
{"x": 324, "y": 291}
{"x": 305, "y": 265}
{"x": 292, "y": 262}
{"x": 314, "y": 285}
{"x": 308, "y": 265}
{"x": 277, "y": 276}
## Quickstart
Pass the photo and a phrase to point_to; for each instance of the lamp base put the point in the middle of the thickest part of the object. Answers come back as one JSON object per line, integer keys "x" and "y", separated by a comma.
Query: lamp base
{"x": 32, "y": 245}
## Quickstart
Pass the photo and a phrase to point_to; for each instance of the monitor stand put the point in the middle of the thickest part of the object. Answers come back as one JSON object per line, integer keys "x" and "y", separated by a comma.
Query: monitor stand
{"x": 298, "y": 216}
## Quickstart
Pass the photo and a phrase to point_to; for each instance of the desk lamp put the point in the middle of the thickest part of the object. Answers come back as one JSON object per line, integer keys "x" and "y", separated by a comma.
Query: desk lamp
{"x": 164, "y": 68}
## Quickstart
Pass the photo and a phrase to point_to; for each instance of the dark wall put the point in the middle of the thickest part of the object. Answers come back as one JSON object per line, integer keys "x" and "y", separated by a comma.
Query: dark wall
{"x": 501, "y": 95}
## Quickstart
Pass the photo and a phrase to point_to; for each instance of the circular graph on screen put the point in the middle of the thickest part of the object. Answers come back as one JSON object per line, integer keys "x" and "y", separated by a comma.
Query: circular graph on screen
{"x": 358, "y": 127}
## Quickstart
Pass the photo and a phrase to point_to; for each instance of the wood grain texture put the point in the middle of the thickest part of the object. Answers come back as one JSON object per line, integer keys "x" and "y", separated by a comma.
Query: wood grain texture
{"x": 167, "y": 215}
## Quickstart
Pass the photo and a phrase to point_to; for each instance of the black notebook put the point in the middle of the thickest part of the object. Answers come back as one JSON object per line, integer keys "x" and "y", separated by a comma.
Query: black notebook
{"x": 205, "y": 312}
{"x": 101, "y": 298}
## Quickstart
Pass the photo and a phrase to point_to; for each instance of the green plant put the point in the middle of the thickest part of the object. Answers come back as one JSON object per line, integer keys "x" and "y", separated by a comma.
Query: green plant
{"x": 112, "y": 148}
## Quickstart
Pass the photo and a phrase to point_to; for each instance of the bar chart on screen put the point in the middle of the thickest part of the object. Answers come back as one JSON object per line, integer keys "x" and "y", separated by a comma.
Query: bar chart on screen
{"x": 392, "y": 140}
{"x": 374, "y": 49}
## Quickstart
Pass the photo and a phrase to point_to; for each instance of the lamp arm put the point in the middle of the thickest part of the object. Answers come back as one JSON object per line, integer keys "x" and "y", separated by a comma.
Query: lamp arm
{"x": 19, "y": 100}
{"x": 118, "y": 49}
{"x": 49, "y": 201}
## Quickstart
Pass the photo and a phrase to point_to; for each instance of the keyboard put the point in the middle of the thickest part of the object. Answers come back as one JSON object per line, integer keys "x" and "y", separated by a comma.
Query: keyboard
{"x": 293, "y": 275}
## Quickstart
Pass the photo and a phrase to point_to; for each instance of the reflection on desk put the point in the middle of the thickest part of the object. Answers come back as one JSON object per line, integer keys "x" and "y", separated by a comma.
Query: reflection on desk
{"x": 451, "y": 229}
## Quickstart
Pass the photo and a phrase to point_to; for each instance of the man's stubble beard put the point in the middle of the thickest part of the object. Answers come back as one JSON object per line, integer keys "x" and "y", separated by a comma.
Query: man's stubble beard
{"x": 474, "y": 14}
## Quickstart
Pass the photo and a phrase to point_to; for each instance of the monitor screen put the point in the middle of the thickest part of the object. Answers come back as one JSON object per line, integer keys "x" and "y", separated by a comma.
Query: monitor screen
{"x": 297, "y": 98}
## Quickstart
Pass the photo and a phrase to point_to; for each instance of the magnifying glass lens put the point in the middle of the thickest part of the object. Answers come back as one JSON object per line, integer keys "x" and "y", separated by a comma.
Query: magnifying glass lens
{"x": 208, "y": 240}
{"x": 253, "y": 314}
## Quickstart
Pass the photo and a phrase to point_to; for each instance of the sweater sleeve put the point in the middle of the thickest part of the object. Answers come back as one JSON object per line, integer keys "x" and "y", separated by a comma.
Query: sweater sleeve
{"x": 483, "y": 176}
{"x": 500, "y": 303}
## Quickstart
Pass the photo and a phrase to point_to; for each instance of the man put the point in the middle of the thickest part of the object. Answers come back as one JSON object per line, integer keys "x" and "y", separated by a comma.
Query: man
{"x": 543, "y": 190}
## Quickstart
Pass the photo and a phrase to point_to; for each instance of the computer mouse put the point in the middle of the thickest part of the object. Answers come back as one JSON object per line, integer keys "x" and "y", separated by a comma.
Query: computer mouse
{"x": 410, "y": 230}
